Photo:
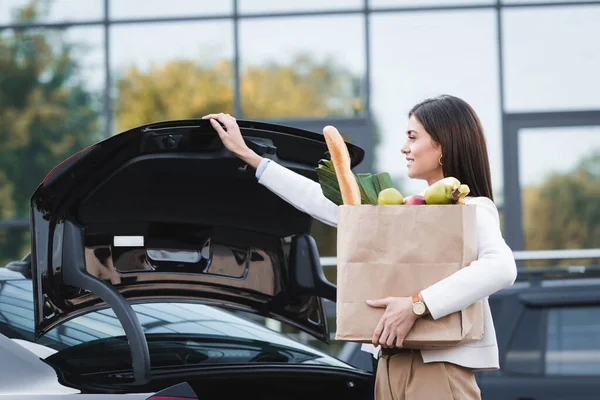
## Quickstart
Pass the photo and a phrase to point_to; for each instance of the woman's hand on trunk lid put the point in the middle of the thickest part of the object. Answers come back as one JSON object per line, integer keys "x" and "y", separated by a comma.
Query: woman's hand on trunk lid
{"x": 232, "y": 138}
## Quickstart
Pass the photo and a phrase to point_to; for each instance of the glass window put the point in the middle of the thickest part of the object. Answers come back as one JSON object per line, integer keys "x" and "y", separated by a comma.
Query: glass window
{"x": 269, "y": 6}
{"x": 315, "y": 69}
{"x": 163, "y": 9}
{"x": 19, "y": 11}
{"x": 170, "y": 71}
{"x": 524, "y": 354}
{"x": 88, "y": 51}
{"x": 197, "y": 325}
{"x": 420, "y": 55}
{"x": 554, "y": 66}
{"x": 425, "y": 3}
{"x": 573, "y": 341}
{"x": 559, "y": 174}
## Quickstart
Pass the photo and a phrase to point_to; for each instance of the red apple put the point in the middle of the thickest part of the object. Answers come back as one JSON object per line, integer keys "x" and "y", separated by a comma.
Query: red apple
{"x": 414, "y": 200}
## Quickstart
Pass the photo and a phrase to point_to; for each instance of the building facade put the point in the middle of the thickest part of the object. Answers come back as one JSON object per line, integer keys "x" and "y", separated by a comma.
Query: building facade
{"x": 74, "y": 72}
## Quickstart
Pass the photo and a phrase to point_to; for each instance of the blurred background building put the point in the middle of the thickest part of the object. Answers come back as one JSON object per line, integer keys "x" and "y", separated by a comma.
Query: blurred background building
{"x": 73, "y": 72}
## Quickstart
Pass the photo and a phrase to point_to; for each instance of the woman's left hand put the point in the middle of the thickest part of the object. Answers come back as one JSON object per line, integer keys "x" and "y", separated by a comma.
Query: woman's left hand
{"x": 395, "y": 323}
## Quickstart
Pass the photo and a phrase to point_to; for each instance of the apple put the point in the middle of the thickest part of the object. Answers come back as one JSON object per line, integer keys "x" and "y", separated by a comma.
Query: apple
{"x": 414, "y": 200}
{"x": 390, "y": 196}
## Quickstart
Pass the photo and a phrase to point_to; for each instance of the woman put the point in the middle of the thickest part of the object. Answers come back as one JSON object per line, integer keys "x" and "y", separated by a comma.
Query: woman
{"x": 444, "y": 138}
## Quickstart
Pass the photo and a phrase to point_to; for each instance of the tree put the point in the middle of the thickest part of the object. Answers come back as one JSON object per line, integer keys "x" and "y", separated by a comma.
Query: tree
{"x": 564, "y": 211}
{"x": 46, "y": 114}
{"x": 190, "y": 89}
{"x": 178, "y": 89}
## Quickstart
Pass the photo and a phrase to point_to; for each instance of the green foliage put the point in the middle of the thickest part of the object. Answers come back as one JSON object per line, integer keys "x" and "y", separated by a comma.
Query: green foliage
{"x": 191, "y": 89}
{"x": 46, "y": 114}
{"x": 564, "y": 211}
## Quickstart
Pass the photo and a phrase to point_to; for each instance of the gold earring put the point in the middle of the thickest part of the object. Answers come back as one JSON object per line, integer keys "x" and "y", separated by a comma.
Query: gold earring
{"x": 440, "y": 160}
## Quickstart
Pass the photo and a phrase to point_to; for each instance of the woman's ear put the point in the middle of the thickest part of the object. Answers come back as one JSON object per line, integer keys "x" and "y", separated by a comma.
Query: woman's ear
{"x": 438, "y": 147}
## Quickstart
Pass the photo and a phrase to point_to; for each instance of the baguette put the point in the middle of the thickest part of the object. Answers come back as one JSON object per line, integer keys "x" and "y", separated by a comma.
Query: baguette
{"x": 341, "y": 163}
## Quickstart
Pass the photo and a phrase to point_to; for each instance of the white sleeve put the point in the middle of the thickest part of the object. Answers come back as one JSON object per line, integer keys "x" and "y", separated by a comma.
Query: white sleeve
{"x": 303, "y": 193}
{"x": 261, "y": 167}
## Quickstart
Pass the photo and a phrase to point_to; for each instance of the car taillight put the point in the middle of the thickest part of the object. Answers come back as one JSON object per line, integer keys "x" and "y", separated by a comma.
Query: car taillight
{"x": 74, "y": 156}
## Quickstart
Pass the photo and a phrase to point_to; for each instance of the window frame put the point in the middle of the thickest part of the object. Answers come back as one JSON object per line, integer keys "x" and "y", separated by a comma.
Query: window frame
{"x": 541, "y": 340}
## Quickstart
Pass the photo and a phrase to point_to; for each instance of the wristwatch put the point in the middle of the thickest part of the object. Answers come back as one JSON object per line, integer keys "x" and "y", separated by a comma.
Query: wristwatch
{"x": 418, "y": 306}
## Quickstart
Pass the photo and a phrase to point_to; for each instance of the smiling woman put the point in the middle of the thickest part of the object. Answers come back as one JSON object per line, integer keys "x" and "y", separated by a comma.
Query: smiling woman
{"x": 450, "y": 127}
{"x": 421, "y": 153}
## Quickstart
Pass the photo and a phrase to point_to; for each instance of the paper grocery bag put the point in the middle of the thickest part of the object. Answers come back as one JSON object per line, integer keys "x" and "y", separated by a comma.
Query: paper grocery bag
{"x": 397, "y": 251}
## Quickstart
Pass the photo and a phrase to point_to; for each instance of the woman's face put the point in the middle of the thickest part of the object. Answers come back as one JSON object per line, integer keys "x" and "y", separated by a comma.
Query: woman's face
{"x": 422, "y": 153}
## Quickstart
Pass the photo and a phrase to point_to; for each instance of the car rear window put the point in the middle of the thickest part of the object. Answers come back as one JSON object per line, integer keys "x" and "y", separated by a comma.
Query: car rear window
{"x": 555, "y": 341}
{"x": 573, "y": 341}
{"x": 177, "y": 333}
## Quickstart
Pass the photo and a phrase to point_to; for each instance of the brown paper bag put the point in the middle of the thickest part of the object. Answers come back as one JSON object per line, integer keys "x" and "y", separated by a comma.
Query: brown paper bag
{"x": 397, "y": 251}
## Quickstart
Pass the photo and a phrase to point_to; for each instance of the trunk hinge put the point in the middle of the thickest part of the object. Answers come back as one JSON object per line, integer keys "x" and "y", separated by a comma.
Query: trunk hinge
{"x": 75, "y": 274}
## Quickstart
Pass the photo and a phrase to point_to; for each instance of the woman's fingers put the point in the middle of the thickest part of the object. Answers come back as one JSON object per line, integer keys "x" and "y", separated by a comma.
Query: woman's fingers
{"x": 377, "y": 332}
{"x": 222, "y": 133}
{"x": 391, "y": 340}
{"x": 229, "y": 132}
{"x": 225, "y": 119}
{"x": 214, "y": 116}
{"x": 228, "y": 122}
{"x": 383, "y": 339}
{"x": 399, "y": 341}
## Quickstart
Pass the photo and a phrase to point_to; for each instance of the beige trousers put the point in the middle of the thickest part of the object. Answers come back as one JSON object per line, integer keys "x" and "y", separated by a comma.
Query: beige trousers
{"x": 405, "y": 376}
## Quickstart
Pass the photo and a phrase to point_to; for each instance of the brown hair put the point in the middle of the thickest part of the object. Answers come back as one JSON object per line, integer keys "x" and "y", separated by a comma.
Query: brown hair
{"x": 454, "y": 125}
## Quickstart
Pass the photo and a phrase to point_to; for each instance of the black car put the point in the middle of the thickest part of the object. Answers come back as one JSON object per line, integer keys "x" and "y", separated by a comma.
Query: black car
{"x": 548, "y": 328}
{"x": 163, "y": 213}
{"x": 180, "y": 335}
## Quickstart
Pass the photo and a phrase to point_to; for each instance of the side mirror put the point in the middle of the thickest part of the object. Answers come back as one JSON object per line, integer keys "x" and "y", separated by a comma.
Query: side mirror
{"x": 306, "y": 271}
{"x": 23, "y": 266}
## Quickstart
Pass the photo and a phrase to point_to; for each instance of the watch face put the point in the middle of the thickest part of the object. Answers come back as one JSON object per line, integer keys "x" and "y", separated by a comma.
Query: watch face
{"x": 419, "y": 308}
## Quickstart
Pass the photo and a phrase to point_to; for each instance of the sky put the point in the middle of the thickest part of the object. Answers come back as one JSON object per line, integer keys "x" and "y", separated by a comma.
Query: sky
{"x": 551, "y": 61}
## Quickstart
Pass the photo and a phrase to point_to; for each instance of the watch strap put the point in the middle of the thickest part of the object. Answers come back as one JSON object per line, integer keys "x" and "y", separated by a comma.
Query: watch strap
{"x": 415, "y": 298}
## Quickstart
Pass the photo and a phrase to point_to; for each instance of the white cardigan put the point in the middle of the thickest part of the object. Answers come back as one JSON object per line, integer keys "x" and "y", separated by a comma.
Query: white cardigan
{"x": 494, "y": 269}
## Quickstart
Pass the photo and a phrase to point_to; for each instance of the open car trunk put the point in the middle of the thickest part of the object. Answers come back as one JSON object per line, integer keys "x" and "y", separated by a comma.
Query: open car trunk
{"x": 165, "y": 212}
